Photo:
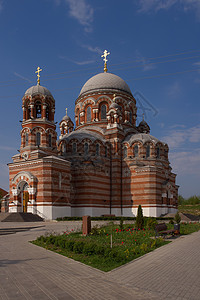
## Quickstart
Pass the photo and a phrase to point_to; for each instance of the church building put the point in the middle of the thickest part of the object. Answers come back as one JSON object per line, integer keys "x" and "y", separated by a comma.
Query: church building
{"x": 103, "y": 164}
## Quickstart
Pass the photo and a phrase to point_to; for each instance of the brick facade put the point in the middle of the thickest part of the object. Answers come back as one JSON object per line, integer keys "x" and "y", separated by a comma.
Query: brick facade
{"x": 106, "y": 165}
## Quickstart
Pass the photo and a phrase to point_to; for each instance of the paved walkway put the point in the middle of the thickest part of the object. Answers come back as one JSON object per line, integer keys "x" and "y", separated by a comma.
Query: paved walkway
{"x": 31, "y": 272}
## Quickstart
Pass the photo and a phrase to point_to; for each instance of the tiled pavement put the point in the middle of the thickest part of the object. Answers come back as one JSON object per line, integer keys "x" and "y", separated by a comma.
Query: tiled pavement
{"x": 31, "y": 272}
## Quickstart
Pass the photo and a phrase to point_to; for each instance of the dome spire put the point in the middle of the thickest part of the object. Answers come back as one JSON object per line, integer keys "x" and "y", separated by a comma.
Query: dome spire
{"x": 38, "y": 75}
{"x": 105, "y": 54}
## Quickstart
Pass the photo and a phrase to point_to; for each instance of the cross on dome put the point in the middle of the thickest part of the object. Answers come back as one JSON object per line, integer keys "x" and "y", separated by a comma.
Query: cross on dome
{"x": 105, "y": 54}
{"x": 38, "y": 75}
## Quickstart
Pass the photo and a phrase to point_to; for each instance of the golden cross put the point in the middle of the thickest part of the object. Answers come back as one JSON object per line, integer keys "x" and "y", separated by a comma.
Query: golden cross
{"x": 38, "y": 75}
{"x": 105, "y": 54}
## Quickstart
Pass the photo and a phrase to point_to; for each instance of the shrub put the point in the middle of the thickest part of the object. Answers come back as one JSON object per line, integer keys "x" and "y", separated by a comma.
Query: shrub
{"x": 121, "y": 224}
{"x": 171, "y": 222}
{"x": 151, "y": 223}
{"x": 69, "y": 245}
{"x": 139, "y": 219}
{"x": 100, "y": 249}
{"x": 78, "y": 246}
{"x": 61, "y": 242}
{"x": 144, "y": 247}
{"x": 89, "y": 248}
{"x": 177, "y": 218}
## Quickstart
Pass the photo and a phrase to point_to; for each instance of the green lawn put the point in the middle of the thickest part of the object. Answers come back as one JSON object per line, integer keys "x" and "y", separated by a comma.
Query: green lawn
{"x": 190, "y": 209}
{"x": 95, "y": 250}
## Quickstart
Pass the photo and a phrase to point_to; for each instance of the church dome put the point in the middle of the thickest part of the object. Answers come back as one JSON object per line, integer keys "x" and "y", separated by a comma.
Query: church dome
{"x": 38, "y": 89}
{"x": 105, "y": 81}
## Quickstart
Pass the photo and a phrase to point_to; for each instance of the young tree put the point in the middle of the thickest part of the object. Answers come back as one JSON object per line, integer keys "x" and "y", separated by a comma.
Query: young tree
{"x": 139, "y": 219}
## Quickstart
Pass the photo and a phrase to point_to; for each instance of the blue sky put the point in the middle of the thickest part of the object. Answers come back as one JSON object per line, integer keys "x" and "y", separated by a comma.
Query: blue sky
{"x": 154, "y": 46}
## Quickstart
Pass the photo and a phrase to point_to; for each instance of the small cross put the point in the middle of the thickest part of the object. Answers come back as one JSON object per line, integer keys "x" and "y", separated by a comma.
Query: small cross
{"x": 105, "y": 54}
{"x": 38, "y": 75}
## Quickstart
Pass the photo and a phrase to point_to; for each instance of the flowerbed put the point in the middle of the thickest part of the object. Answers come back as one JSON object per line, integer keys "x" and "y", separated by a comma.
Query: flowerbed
{"x": 95, "y": 249}
{"x": 108, "y": 247}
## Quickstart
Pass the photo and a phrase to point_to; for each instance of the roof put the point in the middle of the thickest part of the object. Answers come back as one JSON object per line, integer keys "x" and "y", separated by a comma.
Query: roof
{"x": 38, "y": 89}
{"x": 105, "y": 81}
{"x": 141, "y": 137}
{"x": 82, "y": 134}
{"x": 3, "y": 192}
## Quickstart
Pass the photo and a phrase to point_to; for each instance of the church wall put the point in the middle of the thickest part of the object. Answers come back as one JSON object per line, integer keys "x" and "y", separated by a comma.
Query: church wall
{"x": 52, "y": 186}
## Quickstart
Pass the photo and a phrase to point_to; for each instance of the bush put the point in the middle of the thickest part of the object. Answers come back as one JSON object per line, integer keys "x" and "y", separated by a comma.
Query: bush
{"x": 78, "y": 246}
{"x": 151, "y": 223}
{"x": 69, "y": 245}
{"x": 100, "y": 249}
{"x": 89, "y": 248}
{"x": 177, "y": 218}
{"x": 171, "y": 222}
{"x": 139, "y": 219}
{"x": 121, "y": 224}
{"x": 61, "y": 242}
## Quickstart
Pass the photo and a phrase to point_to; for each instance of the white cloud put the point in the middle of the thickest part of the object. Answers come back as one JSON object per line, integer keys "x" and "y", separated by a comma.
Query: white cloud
{"x": 82, "y": 12}
{"x": 174, "y": 90}
{"x": 92, "y": 49}
{"x": 157, "y": 5}
{"x": 182, "y": 137}
{"x": 7, "y": 148}
{"x": 147, "y": 66}
{"x": 80, "y": 63}
{"x": 186, "y": 162}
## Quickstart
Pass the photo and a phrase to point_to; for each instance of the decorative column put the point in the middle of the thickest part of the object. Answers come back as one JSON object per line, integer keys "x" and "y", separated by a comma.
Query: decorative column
{"x": 82, "y": 115}
{"x": 31, "y": 205}
{"x": 44, "y": 111}
{"x": 24, "y": 113}
{"x": 51, "y": 118}
{"x": 32, "y": 111}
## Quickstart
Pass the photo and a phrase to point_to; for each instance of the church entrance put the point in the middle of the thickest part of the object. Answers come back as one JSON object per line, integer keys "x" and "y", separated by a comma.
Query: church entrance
{"x": 24, "y": 197}
{"x": 25, "y": 201}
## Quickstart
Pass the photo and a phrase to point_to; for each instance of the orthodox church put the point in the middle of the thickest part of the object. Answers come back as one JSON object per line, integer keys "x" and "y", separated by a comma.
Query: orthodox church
{"x": 102, "y": 165}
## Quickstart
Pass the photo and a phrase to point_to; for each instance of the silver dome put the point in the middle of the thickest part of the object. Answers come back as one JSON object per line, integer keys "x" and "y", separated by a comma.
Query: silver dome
{"x": 105, "y": 81}
{"x": 38, "y": 89}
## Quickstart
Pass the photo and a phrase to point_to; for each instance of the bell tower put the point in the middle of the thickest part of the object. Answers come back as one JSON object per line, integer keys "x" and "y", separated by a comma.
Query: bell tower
{"x": 38, "y": 134}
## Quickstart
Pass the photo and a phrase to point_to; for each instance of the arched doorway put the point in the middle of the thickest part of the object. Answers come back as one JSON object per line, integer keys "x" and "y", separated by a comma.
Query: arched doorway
{"x": 24, "y": 195}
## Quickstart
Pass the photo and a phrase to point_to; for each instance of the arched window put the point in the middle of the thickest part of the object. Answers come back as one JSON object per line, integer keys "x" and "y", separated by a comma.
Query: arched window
{"x": 50, "y": 140}
{"x": 38, "y": 138}
{"x": 97, "y": 149}
{"x": 47, "y": 112}
{"x": 158, "y": 152}
{"x": 74, "y": 148}
{"x": 26, "y": 139}
{"x": 106, "y": 151}
{"x": 86, "y": 148}
{"x": 103, "y": 112}
{"x": 130, "y": 117}
{"x": 38, "y": 110}
{"x": 89, "y": 114}
{"x": 147, "y": 151}
{"x": 135, "y": 150}
{"x": 63, "y": 148}
{"x": 29, "y": 113}
{"x": 79, "y": 119}
{"x": 125, "y": 152}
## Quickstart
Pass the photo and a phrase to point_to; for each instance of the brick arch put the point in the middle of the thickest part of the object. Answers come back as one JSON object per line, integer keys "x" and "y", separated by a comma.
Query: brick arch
{"x": 103, "y": 98}
{"x": 25, "y": 130}
{"x": 38, "y": 128}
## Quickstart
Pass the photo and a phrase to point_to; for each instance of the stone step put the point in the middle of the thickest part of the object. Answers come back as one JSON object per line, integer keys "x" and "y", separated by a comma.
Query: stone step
{"x": 19, "y": 217}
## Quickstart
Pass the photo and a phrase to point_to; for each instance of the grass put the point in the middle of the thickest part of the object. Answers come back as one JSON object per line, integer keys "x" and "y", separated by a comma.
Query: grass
{"x": 193, "y": 209}
{"x": 190, "y": 205}
{"x": 95, "y": 249}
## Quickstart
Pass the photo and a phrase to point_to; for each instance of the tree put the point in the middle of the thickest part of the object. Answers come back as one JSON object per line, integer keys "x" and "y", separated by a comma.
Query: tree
{"x": 139, "y": 219}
